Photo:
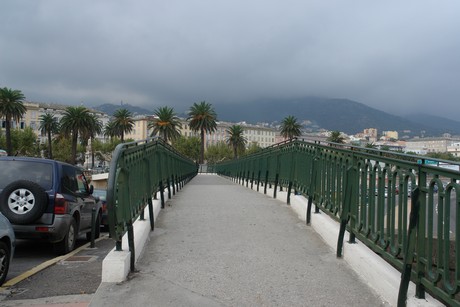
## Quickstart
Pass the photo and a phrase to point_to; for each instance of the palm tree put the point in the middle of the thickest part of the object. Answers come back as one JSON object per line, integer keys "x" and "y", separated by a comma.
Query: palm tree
{"x": 123, "y": 121}
{"x": 236, "y": 139}
{"x": 202, "y": 117}
{"x": 75, "y": 121}
{"x": 165, "y": 124}
{"x": 290, "y": 128}
{"x": 11, "y": 108}
{"x": 336, "y": 137}
{"x": 110, "y": 130}
{"x": 94, "y": 128}
{"x": 49, "y": 125}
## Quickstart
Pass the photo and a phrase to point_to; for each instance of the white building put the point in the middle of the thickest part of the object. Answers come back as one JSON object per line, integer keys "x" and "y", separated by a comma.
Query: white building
{"x": 454, "y": 149}
{"x": 428, "y": 145}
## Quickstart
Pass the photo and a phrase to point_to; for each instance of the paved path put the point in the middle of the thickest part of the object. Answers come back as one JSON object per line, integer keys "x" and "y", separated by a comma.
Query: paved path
{"x": 220, "y": 244}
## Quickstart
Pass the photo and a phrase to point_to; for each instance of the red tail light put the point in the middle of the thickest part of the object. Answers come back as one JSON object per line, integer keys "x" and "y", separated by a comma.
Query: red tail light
{"x": 104, "y": 207}
{"x": 60, "y": 204}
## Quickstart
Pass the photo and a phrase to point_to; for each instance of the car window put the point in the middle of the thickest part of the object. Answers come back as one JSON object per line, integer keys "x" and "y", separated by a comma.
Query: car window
{"x": 102, "y": 194}
{"x": 38, "y": 172}
{"x": 68, "y": 181}
{"x": 82, "y": 183}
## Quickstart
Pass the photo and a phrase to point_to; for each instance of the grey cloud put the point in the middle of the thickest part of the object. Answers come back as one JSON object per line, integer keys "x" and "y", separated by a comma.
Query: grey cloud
{"x": 395, "y": 56}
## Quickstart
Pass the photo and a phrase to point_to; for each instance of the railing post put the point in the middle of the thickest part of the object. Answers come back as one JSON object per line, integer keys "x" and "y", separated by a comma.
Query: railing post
{"x": 308, "y": 218}
{"x": 162, "y": 195}
{"x": 409, "y": 252}
{"x": 258, "y": 181}
{"x": 151, "y": 216}
{"x": 289, "y": 193}
{"x": 276, "y": 186}
{"x": 131, "y": 244}
{"x": 266, "y": 182}
{"x": 345, "y": 216}
{"x": 168, "y": 187}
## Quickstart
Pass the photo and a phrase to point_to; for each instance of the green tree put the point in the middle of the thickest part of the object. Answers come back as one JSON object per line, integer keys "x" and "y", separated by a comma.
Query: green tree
{"x": 371, "y": 145}
{"x": 290, "y": 128}
{"x": 63, "y": 149}
{"x": 166, "y": 124}
{"x": 218, "y": 153}
{"x": 124, "y": 122}
{"x": 202, "y": 118}
{"x": 92, "y": 130}
{"x": 25, "y": 142}
{"x": 189, "y": 147}
{"x": 75, "y": 122}
{"x": 49, "y": 125}
{"x": 336, "y": 137}
{"x": 236, "y": 139}
{"x": 12, "y": 109}
{"x": 252, "y": 148}
{"x": 110, "y": 130}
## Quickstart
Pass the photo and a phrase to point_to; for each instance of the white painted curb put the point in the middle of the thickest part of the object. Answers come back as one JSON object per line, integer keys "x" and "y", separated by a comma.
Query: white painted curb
{"x": 116, "y": 265}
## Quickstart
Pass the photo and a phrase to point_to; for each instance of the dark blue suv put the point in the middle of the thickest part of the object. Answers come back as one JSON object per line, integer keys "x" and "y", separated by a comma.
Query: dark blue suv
{"x": 47, "y": 199}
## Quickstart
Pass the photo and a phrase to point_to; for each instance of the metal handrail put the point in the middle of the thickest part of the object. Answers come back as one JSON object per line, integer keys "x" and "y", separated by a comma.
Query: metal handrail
{"x": 370, "y": 192}
{"x": 138, "y": 171}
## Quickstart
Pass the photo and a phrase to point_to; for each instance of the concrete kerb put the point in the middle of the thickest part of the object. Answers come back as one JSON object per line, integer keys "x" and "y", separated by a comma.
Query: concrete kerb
{"x": 372, "y": 269}
{"x": 116, "y": 265}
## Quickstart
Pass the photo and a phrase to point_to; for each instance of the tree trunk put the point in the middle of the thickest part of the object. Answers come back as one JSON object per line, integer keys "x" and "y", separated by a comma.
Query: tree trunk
{"x": 74, "y": 147}
{"x": 9, "y": 146}
{"x": 202, "y": 147}
{"x": 50, "y": 152}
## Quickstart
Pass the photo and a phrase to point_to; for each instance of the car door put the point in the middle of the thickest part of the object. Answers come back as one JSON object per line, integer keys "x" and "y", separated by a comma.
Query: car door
{"x": 87, "y": 200}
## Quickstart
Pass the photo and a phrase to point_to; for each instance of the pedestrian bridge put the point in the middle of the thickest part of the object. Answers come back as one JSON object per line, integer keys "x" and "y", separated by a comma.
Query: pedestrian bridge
{"x": 383, "y": 201}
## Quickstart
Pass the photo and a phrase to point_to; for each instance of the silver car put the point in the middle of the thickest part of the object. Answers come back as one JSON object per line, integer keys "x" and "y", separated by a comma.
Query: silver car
{"x": 7, "y": 244}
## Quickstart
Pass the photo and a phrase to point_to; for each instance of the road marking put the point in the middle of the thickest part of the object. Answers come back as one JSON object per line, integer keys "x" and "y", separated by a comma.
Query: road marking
{"x": 46, "y": 264}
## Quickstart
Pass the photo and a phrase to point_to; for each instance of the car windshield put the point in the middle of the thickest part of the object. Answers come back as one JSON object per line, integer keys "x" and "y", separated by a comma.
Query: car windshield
{"x": 14, "y": 170}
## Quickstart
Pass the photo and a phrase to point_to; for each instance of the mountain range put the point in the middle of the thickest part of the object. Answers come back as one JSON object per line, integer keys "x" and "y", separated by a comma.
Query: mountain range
{"x": 317, "y": 113}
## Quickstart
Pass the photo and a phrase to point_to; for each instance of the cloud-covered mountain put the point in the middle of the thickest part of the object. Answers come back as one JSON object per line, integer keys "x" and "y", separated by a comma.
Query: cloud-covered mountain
{"x": 331, "y": 114}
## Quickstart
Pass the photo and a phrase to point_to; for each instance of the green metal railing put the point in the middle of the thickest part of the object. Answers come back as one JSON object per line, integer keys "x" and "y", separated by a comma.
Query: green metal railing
{"x": 138, "y": 171}
{"x": 401, "y": 207}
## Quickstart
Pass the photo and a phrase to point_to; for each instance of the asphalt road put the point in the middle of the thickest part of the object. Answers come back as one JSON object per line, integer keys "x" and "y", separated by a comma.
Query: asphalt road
{"x": 77, "y": 273}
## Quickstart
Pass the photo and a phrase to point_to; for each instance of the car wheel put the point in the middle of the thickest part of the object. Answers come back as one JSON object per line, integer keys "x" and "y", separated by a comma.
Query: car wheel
{"x": 97, "y": 229}
{"x": 5, "y": 253}
{"x": 67, "y": 244}
{"x": 23, "y": 201}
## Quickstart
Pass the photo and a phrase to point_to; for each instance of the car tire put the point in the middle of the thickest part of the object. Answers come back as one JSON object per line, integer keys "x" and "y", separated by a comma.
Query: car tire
{"x": 23, "y": 201}
{"x": 67, "y": 244}
{"x": 97, "y": 228}
{"x": 5, "y": 256}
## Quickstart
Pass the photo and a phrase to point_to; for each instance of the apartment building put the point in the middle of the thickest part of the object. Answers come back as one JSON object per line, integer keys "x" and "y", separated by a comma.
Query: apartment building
{"x": 454, "y": 149}
{"x": 261, "y": 135}
{"x": 140, "y": 129}
{"x": 34, "y": 110}
{"x": 390, "y": 135}
{"x": 427, "y": 145}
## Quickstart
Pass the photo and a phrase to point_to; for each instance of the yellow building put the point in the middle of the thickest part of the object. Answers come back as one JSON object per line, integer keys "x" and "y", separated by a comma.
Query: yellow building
{"x": 140, "y": 129}
{"x": 391, "y": 134}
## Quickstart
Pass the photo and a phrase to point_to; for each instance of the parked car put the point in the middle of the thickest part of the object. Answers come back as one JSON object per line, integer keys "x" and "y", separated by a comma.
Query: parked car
{"x": 7, "y": 245}
{"x": 47, "y": 199}
{"x": 102, "y": 195}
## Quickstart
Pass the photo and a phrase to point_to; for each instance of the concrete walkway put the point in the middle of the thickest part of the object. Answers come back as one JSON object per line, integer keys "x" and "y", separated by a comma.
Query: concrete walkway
{"x": 219, "y": 244}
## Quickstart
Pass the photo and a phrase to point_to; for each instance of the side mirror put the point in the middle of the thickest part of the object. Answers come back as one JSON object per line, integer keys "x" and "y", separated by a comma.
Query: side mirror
{"x": 91, "y": 189}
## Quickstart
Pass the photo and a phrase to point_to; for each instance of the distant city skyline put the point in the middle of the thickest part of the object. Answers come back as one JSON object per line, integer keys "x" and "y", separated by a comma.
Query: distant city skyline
{"x": 393, "y": 56}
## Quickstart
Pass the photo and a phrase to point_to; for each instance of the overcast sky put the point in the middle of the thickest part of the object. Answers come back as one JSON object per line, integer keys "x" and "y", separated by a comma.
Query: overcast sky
{"x": 396, "y": 56}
